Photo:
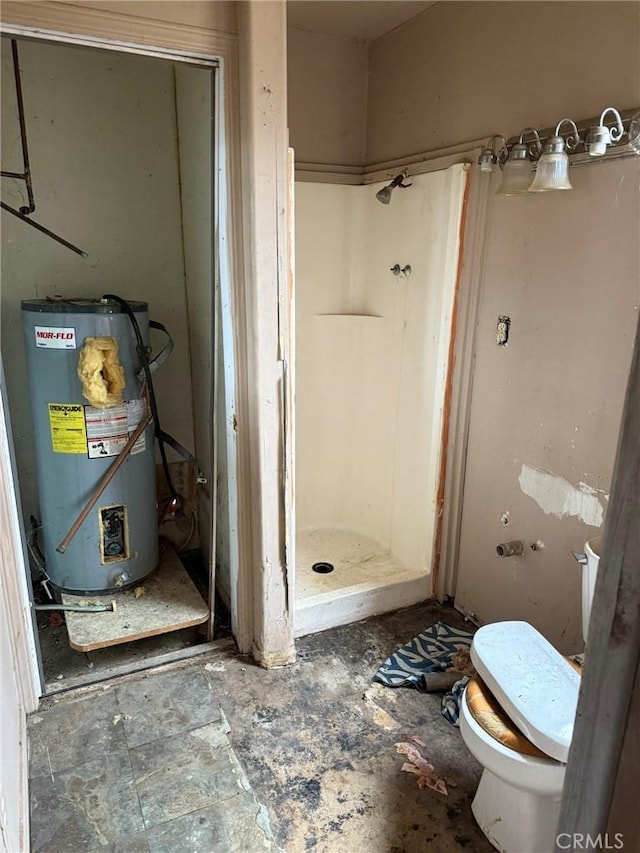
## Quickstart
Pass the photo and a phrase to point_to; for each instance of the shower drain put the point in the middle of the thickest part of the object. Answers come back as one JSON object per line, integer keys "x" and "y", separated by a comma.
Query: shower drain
{"x": 322, "y": 568}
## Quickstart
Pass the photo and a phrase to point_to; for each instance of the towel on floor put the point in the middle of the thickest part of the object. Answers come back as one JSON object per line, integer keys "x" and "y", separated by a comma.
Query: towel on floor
{"x": 438, "y": 649}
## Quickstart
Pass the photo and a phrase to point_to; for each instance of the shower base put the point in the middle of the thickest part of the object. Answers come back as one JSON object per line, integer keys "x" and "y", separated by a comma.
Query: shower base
{"x": 366, "y": 580}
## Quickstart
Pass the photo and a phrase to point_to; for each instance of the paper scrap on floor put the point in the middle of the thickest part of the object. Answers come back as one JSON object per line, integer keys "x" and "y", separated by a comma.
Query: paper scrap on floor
{"x": 438, "y": 649}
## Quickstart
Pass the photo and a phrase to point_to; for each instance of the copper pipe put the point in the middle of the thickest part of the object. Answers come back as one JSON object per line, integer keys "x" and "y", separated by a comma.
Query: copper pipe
{"x": 102, "y": 485}
{"x": 78, "y": 608}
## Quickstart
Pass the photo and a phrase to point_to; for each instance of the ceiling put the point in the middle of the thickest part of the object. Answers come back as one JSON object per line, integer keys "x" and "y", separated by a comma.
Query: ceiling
{"x": 360, "y": 19}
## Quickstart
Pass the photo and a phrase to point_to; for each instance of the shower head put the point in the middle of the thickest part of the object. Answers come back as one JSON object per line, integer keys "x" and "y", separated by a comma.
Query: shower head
{"x": 384, "y": 195}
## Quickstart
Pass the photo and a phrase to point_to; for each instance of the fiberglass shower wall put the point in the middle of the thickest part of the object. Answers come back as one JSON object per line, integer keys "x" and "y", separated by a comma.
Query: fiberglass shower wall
{"x": 372, "y": 354}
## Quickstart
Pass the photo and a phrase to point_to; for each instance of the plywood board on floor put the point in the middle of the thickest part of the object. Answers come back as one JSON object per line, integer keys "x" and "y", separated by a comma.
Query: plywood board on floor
{"x": 169, "y": 601}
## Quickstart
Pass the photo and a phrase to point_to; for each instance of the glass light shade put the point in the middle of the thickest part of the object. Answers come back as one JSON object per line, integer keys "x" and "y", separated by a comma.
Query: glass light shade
{"x": 552, "y": 173}
{"x": 597, "y": 140}
{"x": 516, "y": 178}
{"x": 486, "y": 160}
{"x": 634, "y": 133}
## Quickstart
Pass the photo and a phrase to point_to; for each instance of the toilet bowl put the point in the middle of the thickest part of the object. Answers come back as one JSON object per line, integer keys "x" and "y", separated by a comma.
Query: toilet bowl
{"x": 516, "y": 719}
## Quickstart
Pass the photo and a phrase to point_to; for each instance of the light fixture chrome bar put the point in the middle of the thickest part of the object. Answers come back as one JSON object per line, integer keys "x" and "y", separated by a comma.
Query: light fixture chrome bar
{"x": 583, "y": 127}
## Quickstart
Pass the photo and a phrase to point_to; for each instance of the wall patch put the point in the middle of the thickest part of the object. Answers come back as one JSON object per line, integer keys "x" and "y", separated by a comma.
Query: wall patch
{"x": 557, "y": 496}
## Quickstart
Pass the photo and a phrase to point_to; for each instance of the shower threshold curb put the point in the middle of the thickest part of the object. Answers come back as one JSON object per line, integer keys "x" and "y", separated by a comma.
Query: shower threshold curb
{"x": 351, "y": 604}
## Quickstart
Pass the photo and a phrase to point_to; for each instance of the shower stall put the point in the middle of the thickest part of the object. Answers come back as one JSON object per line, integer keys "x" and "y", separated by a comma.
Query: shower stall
{"x": 375, "y": 295}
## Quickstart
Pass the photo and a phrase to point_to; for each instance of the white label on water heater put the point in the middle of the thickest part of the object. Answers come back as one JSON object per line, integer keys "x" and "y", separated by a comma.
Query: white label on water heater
{"x": 108, "y": 430}
{"x": 54, "y": 337}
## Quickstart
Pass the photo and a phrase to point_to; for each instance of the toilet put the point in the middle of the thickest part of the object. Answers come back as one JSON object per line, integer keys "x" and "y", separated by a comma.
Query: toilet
{"x": 516, "y": 718}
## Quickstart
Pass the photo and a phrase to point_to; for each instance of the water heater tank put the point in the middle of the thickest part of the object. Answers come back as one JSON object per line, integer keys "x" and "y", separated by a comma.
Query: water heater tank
{"x": 87, "y": 398}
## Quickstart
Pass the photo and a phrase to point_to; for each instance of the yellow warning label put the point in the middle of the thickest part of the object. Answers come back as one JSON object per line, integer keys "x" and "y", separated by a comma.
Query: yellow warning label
{"x": 68, "y": 433}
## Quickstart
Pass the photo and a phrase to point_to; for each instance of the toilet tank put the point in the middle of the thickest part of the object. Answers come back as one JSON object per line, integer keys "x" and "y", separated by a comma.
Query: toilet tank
{"x": 592, "y": 550}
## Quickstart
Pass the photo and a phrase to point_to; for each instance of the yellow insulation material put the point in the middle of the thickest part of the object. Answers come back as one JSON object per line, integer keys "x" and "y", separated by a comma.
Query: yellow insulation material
{"x": 101, "y": 373}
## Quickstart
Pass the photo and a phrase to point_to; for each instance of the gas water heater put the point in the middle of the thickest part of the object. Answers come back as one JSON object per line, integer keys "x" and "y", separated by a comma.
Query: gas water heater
{"x": 88, "y": 398}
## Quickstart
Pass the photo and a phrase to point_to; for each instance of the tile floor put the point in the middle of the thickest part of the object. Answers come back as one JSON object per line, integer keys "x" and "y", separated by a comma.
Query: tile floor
{"x": 306, "y": 761}
{"x": 144, "y": 766}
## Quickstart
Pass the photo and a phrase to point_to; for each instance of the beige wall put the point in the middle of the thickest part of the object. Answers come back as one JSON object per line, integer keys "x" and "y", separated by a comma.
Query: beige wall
{"x": 565, "y": 267}
{"x": 194, "y": 103}
{"x": 103, "y": 152}
{"x": 462, "y": 71}
{"x": 327, "y": 95}
{"x": 546, "y": 409}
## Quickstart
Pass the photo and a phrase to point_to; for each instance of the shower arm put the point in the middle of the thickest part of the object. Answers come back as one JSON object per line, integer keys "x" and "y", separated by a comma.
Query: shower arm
{"x": 398, "y": 181}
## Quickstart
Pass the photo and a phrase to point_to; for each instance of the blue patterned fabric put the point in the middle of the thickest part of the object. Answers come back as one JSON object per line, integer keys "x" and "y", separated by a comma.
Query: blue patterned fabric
{"x": 450, "y": 705}
{"x": 431, "y": 651}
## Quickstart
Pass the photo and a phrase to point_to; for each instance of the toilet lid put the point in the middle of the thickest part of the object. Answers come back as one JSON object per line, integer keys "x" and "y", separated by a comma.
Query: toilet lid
{"x": 534, "y": 684}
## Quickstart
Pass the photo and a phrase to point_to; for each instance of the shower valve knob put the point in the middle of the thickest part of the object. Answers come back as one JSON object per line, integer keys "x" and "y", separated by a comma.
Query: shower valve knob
{"x": 404, "y": 271}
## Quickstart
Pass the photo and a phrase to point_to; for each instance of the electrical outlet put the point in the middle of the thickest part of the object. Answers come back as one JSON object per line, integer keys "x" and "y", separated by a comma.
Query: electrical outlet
{"x": 502, "y": 330}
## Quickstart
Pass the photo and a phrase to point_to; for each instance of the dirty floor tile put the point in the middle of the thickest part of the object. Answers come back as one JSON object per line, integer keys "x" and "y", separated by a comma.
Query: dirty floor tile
{"x": 166, "y": 704}
{"x": 130, "y": 844}
{"x": 177, "y": 775}
{"x": 316, "y": 740}
{"x": 238, "y": 823}
{"x": 85, "y": 808}
{"x": 74, "y": 732}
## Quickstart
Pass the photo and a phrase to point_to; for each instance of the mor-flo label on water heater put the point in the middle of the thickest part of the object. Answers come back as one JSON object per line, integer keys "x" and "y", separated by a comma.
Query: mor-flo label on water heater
{"x": 55, "y": 337}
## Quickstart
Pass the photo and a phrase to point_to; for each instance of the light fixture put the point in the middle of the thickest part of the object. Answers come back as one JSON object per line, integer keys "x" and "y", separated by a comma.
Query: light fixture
{"x": 599, "y": 137}
{"x": 551, "y": 148}
{"x": 516, "y": 176}
{"x": 553, "y": 166}
{"x": 384, "y": 195}
{"x": 489, "y": 157}
{"x": 634, "y": 133}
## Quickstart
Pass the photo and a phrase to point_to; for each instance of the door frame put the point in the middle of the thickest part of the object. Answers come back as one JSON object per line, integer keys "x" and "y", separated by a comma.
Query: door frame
{"x": 14, "y": 575}
{"x": 220, "y": 56}
{"x": 21, "y": 676}
{"x": 250, "y": 40}
{"x": 455, "y": 442}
